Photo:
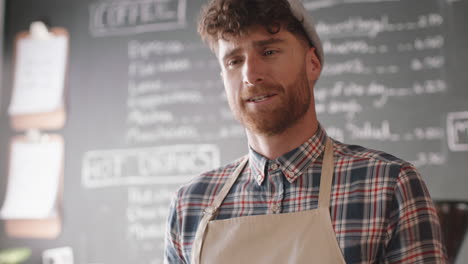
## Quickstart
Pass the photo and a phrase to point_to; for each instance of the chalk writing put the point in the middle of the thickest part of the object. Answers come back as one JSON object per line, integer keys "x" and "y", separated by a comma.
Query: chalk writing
{"x": 457, "y": 131}
{"x": 424, "y": 43}
{"x": 105, "y": 168}
{"x": 427, "y": 63}
{"x": 350, "y": 107}
{"x": 143, "y": 69}
{"x": 425, "y": 133}
{"x": 145, "y": 118}
{"x": 150, "y": 231}
{"x": 144, "y": 87}
{"x": 371, "y": 27}
{"x": 429, "y": 158}
{"x": 335, "y": 132}
{"x": 367, "y": 131}
{"x": 152, "y": 101}
{"x": 140, "y": 135}
{"x": 139, "y": 213}
{"x": 148, "y": 196}
{"x": 317, "y": 4}
{"x": 355, "y": 66}
{"x": 130, "y": 17}
{"x": 146, "y": 215}
{"x": 373, "y": 90}
{"x": 147, "y": 49}
{"x": 231, "y": 131}
{"x": 352, "y": 47}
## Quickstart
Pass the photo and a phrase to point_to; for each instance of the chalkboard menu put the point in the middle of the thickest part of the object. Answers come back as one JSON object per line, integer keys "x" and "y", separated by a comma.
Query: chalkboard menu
{"x": 146, "y": 109}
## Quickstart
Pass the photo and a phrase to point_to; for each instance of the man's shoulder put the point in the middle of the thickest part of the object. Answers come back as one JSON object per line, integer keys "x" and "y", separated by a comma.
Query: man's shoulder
{"x": 208, "y": 181}
{"x": 367, "y": 164}
{"x": 356, "y": 153}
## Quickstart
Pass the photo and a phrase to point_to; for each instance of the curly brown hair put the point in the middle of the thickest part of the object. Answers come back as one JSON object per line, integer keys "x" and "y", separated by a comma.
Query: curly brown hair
{"x": 232, "y": 18}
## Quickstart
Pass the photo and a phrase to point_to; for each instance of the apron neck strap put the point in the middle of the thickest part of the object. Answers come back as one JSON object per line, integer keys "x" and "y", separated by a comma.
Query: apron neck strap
{"x": 218, "y": 200}
{"x": 210, "y": 212}
{"x": 327, "y": 175}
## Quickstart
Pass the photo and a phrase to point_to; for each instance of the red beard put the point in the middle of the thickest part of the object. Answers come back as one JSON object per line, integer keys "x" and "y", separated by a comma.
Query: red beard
{"x": 291, "y": 105}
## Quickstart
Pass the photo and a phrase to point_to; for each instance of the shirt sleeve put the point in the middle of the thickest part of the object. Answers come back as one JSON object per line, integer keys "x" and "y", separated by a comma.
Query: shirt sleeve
{"x": 414, "y": 234}
{"x": 172, "y": 242}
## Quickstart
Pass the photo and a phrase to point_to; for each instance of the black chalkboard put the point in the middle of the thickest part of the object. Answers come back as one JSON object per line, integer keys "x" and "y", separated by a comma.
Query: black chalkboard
{"x": 147, "y": 111}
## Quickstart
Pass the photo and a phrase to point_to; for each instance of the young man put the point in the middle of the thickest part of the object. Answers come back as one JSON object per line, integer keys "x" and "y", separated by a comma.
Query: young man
{"x": 298, "y": 196}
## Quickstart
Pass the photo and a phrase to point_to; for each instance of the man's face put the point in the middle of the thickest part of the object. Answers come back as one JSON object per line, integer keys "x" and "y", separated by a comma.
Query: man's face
{"x": 268, "y": 79}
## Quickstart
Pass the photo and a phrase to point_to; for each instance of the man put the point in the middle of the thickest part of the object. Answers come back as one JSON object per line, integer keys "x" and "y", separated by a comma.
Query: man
{"x": 298, "y": 196}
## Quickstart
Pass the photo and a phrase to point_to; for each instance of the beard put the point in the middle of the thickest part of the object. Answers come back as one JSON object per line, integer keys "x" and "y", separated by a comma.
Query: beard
{"x": 294, "y": 102}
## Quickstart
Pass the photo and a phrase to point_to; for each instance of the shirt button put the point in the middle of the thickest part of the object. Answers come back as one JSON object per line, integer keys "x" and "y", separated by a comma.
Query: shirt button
{"x": 274, "y": 166}
{"x": 275, "y": 208}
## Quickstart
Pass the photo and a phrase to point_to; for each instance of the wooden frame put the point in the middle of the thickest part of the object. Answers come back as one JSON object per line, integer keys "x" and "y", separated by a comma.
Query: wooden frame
{"x": 48, "y": 120}
{"x": 48, "y": 228}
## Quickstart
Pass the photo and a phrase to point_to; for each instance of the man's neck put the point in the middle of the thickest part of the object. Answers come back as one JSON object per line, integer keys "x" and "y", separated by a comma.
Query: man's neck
{"x": 274, "y": 146}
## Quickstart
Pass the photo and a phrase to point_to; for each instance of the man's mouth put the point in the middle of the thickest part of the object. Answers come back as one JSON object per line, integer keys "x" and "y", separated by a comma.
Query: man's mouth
{"x": 259, "y": 98}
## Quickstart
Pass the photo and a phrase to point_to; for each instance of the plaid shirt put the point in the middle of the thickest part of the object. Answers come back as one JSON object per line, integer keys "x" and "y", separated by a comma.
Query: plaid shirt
{"x": 380, "y": 208}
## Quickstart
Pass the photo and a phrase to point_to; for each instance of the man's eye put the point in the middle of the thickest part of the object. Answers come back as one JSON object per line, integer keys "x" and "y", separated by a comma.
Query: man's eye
{"x": 269, "y": 52}
{"x": 233, "y": 62}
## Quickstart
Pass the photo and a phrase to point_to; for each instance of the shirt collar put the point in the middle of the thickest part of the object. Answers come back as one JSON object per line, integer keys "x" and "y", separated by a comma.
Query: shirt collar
{"x": 293, "y": 163}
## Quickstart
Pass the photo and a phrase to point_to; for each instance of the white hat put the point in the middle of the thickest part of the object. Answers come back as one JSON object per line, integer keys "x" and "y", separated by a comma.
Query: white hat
{"x": 301, "y": 14}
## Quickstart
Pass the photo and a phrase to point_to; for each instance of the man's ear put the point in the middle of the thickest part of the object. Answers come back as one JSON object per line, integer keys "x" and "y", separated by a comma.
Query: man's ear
{"x": 313, "y": 65}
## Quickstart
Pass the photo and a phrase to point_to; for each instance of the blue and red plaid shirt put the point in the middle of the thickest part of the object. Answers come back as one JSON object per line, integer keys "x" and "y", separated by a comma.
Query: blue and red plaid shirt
{"x": 380, "y": 208}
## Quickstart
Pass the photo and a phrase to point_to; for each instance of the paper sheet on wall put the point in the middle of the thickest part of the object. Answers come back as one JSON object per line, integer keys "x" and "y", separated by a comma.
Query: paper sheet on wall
{"x": 33, "y": 181}
{"x": 39, "y": 77}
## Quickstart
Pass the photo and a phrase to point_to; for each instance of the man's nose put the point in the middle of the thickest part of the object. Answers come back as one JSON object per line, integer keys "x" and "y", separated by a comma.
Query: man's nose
{"x": 253, "y": 71}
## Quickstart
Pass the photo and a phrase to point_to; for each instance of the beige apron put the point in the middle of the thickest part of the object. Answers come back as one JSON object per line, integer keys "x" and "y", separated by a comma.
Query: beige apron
{"x": 296, "y": 238}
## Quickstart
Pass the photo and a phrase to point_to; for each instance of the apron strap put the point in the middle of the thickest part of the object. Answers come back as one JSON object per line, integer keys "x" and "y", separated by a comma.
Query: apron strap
{"x": 327, "y": 176}
{"x": 210, "y": 211}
